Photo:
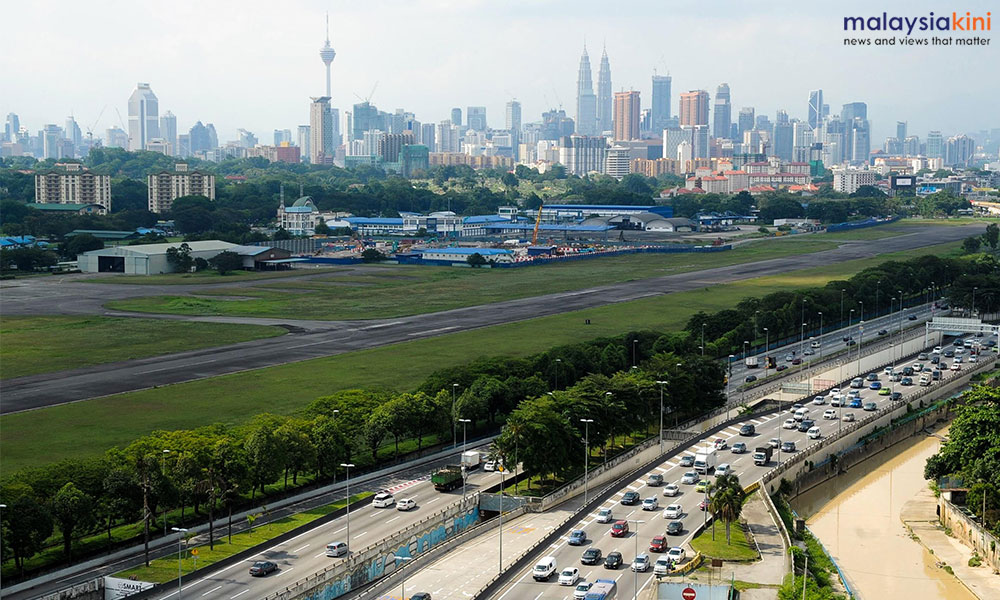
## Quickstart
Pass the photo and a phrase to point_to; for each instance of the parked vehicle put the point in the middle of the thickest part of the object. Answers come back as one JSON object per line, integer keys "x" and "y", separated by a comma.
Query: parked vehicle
{"x": 676, "y": 554}
{"x": 661, "y": 566}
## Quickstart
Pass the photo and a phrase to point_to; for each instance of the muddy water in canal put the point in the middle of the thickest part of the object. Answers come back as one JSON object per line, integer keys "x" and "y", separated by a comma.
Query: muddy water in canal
{"x": 856, "y": 517}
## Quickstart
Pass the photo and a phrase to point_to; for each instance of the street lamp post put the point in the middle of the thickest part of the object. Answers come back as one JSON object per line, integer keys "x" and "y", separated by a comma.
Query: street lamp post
{"x": 767, "y": 343}
{"x": 635, "y": 579}
{"x": 850, "y": 318}
{"x": 608, "y": 395}
{"x": 802, "y": 337}
{"x": 861, "y": 339}
{"x": 842, "y": 307}
{"x": 635, "y": 354}
{"x": 2, "y": 506}
{"x": 402, "y": 585}
{"x": 163, "y": 469}
{"x": 180, "y": 541}
{"x": 501, "y": 468}
{"x": 586, "y": 459}
{"x": 464, "y": 422}
{"x": 661, "y": 384}
{"x": 348, "y": 480}
{"x": 972, "y": 314}
{"x": 878, "y": 289}
{"x": 755, "y": 333}
{"x": 745, "y": 342}
{"x": 862, "y": 315}
{"x": 558, "y": 366}
{"x": 821, "y": 335}
{"x": 454, "y": 425}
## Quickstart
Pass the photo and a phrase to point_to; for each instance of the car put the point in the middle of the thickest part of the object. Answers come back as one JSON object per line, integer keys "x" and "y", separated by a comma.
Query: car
{"x": 691, "y": 477}
{"x": 896, "y": 377}
{"x": 747, "y": 429}
{"x": 797, "y": 361}
{"x": 789, "y": 424}
{"x": 854, "y": 394}
{"x": 490, "y": 466}
{"x": 658, "y": 543}
{"x": 918, "y": 367}
{"x": 835, "y": 390}
{"x": 335, "y": 549}
{"x": 721, "y": 444}
{"x": 922, "y": 356}
{"x": 406, "y": 504}
{"x": 579, "y": 593}
{"x": 619, "y": 529}
{"x": 739, "y": 448}
{"x": 650, "y": 503}
{"x": 605, "y": 516}
{"x": 830, "y": 414}
{"x": 851, "y": 342}
{"x": 808, "y": 352}
{"x": 815, "y": 344}
{"x": 888, "y": 370}
{"x": 723, "y": 469}
{"x": 569, "y": 576}
{"x": 906, "y": 381}
{"x": 703, "y": 505}
{"x": 813, "y": 433}
{"x": 613, "y": 560}
{"x": 676, "y": 554}
{"x": 673, "y": 511}
{"x": 262, "y": 568}
{"x": 836, "y": 400}
{"x": 796, "y": 406}
{"x": 896, "y": 396}
{"x": 884, "y": 392}
{"x": 788, "y": 446}
{"x": 857, "y": 383}
{"x": 675, "y": 528}
{"x": 702, "y": 486}
{"x": 819, "y": 400}
{"x": 781, "y": 368}
{"x": 937, "y": 350}
{"x": 774, "y": 442}
{"x": 750, "y": 379}
{"x": 383, "y": 500}
{"x": 855, "y": 403}
{"x": 958, "y": 359}
{"x": 875, "y": 385}
{"x": 671, "y": 489}
{"x": 662, "y": 565}
{"x": 956, "y": 367}
{"x": 421, "y": 596}
{"x": 630, "y": 498}
{"x": 848, "y": 417}
{"x": 911, "y": 318}
{"x": 591, "y": 556}
{"x": 654, "y": 480}
{"x": 641, "y": 563}
{"x": 846, "y": 338}
{"x": 872, "y": 377}
{"x": 959, "y": 351}
{"x": 577, "y": 537}
{"x": 789, "y": 357}
{"x": 949, "y": 353}
{"x": 806, "y": 424}
{"x": 687, "y": 460}
{"x": 973, "y": 359}
{"x": 883, "y": 332}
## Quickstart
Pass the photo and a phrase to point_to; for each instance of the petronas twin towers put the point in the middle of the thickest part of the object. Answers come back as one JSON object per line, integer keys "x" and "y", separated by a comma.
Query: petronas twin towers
{"x": 593, "y": 113}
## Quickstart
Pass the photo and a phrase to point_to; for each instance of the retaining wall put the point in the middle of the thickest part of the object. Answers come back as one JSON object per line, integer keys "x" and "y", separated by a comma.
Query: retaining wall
{"x": 970, "y": 532}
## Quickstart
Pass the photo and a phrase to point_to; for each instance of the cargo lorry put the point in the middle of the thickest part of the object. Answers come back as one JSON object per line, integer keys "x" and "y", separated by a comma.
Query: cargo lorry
{"x": 447, "y": 479}
{"x": 762, "y": 455}
{"x": 704, "y": 461}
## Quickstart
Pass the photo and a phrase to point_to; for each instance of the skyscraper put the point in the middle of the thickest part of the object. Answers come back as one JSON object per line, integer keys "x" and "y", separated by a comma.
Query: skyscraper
{"x": 11, "y": 127}
{"x": 783, "y": 139}
{"x": 586, "y": 101}
{"x": 746, "y": 120}
{"x": 168, "y": 129}
{"x": 723, "y": 112}
{"x": 303, "y": 140}
{"x": 900, "y": 130}
{"x": 326, "y": 54}
{"x": 73, "y": 133}
{"x": 935, "y": 145}
{"x": 513, "y": 120}
{"x": 476, "y": 117}
{"x": 694, "y": 108}
{"x": 660, "y": 104}
{"x": 815, "y": 108}
{"x": 605, "y": 118}
{"x": 626, "y": 115}
{"x": 143, "y": 117}
{"x": 52, "y": 138}
{"x": 456, "y": 116}
{"x": 320, "y": 132}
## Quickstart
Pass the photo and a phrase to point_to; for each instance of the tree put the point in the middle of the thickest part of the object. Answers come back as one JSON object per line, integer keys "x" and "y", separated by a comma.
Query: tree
{"x": 226, "y": 261}
{"x": 727, "y": 503}
{"x": 322, "y": 228}
{"x": 180, "y": 258}
{"x": 971, "y": 244}
{"x": 78, "y": 244}
{"x": 71, "y": 508}
{"x": 476, "y": 260}
{"x": 992, "y": 235}
{"x": 27, "y": 523}
{"x": 281, "y": 234}
{"x": 371, "y": 255}
{"x": 263, "y": 454}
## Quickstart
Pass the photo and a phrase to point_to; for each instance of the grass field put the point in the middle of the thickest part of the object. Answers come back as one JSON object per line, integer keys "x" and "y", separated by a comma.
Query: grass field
{"x": 207, "y": 276}
{"x": 431, "y": 289}
{"x": 740, "y": 548}
{"x": 51, "y": 434}
{"x": 41, "y": 344}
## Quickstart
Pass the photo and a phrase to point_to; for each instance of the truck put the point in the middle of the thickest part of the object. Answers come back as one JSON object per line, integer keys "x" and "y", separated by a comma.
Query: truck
{"x": 603, "y": 589}
{"x": 762, "y": 455}
{"x": 751, "y": 362}
{"x": 704, "y": 461}
{"x": 448, "y": 478}
{"x": 470, "y": 460}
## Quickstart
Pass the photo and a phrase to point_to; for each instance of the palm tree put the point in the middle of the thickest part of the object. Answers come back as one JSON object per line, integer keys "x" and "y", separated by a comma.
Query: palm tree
{"x": 727, "y": 503}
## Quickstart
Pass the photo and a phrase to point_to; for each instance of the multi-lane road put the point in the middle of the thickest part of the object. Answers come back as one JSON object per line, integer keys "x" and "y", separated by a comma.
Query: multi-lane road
{"x": 653, "y": 523}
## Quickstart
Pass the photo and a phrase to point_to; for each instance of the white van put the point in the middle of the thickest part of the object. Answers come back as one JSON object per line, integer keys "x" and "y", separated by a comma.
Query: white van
{"x": 813, "y": 433}
{"x": 336, "y": 549}
{"x": 544, "y": 569}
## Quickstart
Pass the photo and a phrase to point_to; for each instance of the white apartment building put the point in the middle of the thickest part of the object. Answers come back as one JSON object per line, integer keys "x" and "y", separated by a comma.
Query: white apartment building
{"x": 848, "y": 181}
{"x": 167, "y": 186}
{"x": 72, "y": 183}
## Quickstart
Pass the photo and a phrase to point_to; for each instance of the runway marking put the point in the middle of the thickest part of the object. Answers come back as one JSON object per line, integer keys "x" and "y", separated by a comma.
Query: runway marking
{"x": 380, "y": 325}
{"x": 212, "y": 590}
{"x": 433, "y": 330}
{"x": 240, "y": 594}
{"x": 155, "y": 370}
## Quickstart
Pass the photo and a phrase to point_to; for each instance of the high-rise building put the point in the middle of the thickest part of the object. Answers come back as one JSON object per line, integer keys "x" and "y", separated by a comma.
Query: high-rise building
{"x": 427, "y": 137}
{"x": 746, "y": 120}
{"x": 697, "y": 137}
{"x": 513, "y": 120}
{"x": 389, "y": 145}
{"x": 72, "y": 183}
{"x": 116, "y": 137}
{"x": 900, "y": 130}
{"x": 327, "y": 54}
{"x": 168, "y": 129}
{"x": 166, "y": 186}
{"x": 626, "y": 115}
{"x": 247, "y": 138}
{"x": 582, "y": 154}
{"x": 660, "y": 103}
{"x": 783, "y": 140}
{"x": 200, "y": 140}
{"x": 935, "y": 145}
{"x": 282, "y": 136}
{"x": 52, "y": 137}
{"x": 447, "y": 137}
{"x": 586, "y": 101}
{"x": 476, "y": 118}
{"x": 320, "y": 131}
{"x": 556, "y": 125}
{"x": 213, "y": 137}
{"x": 723, "y": 112}
{"x": 456, "y": 116}
{"x": 143, "y": 117}
{"x": 911, "y": 146}
{"x": 618, "y": 162}
{"x": 959, "y": 150}
{"x": 73, "y": 133}
{"x": 605, "y": 116}
{"x": 815, "y": 108}
{"x": 366, "y": 118}
{"x": 694, "y": 108}
{"x": 11, "y": 127}
{"x": 672, "y": 138}
{"x": 303, "y": 140}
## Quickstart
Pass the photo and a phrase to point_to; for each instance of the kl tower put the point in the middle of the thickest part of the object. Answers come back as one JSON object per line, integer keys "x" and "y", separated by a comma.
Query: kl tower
{"x": 327, "y": 53}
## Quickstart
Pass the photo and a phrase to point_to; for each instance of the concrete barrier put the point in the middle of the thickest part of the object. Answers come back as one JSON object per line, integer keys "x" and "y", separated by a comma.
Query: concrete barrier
{"x": 972, "y": 534}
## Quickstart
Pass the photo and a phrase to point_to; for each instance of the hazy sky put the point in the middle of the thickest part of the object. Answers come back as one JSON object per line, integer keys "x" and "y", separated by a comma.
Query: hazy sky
{"x": 253, "y": 64}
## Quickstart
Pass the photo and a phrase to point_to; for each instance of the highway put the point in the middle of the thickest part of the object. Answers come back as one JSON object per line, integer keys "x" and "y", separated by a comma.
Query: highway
{"x": 653, "y": 523}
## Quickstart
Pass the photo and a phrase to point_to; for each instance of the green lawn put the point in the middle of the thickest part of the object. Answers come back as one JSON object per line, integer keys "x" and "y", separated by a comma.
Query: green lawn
{"x": 42, "y": 344}
{"x": 741, "y": 548}
{"x": 51, "y": 434}
{"x": 207, "y": 276}
{"x": 165, "y": 569}
{"x": 379, "y": 293}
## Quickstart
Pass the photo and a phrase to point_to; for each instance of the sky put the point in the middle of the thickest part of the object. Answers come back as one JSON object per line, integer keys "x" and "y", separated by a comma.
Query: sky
{"x": 254, "y": 64}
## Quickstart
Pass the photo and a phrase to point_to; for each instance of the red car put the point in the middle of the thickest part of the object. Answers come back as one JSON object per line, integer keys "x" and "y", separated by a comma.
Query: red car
{"x": 658, "y": 544}
{"x": 619, "y": 529}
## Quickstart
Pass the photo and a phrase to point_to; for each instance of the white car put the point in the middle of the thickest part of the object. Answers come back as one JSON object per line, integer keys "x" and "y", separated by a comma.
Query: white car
{"x": 690, "y": 478}
{"x": 813, "y": 433}
{"x": 836, "y": 400}
{"x": 723, "y": 469}
{"x": 406, "y": 504}
{"x": 848, "y": 417}
{"x": 819, "y": 400}
{"x": 661, "y": 566}
{"x": 673, "y": 511}
{"x": 383, "y": 500}
{"x": 641, "y": 563}
{"x": 835, "y": 391}
{"x": 789, "y": 424}
{"x": 973, "y": 359}
{"x": 815, "y": 344}
{"x": 671, "y": 489}
{"x": 830, "y": 414}
{"x": 490, "y": 466}
{"x": 774, "y": 442}
{"x": 650, "y": 503}
{"x": 605, "y": 516}
{"x": 887, "y": 370}
{"x": 581, "y": 590}
{"x": 569, "y": 576}
{"x": 676, "y": 554}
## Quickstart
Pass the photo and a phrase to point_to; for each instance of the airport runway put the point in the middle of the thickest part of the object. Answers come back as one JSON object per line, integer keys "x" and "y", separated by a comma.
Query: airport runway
{"x": 313, "y": 339}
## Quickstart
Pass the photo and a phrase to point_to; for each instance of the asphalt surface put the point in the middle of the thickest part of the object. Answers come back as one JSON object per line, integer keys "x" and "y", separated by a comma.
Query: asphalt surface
{"x": 313, "y": 339}
{"x": 654, "y": 523}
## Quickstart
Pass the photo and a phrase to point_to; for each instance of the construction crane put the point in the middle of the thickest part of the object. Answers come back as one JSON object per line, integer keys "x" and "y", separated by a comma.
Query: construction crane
{"x": 90, "y": 130}
{"x": 538, "y": 221}
{"x": 370, "y": 94}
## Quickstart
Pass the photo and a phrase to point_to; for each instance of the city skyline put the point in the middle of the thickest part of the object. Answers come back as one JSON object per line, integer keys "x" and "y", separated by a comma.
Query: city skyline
{"x": 278, "y": 77}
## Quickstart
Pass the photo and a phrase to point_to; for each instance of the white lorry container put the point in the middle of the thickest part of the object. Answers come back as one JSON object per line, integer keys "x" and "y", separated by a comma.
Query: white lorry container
{"x": 704, "y": 461}
{"x": 751, "y": 362}
{"x": 470, "y": 460}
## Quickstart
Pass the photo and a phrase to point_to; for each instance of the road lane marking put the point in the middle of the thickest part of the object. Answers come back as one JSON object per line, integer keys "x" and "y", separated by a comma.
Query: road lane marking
{"x": 360, "y": 534}
{"x": 212, "y": 590}
{"x": 296, "y": 551}
{"x": 432, "y": 500}
{"x": 283, "y": 571}
{"x": 392, "y": 519}
{"x": 380, "y": 325}
{"x": 438, "y": 330}
{"x": 240, "y": 594}
{"x": 341, "y": 529}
